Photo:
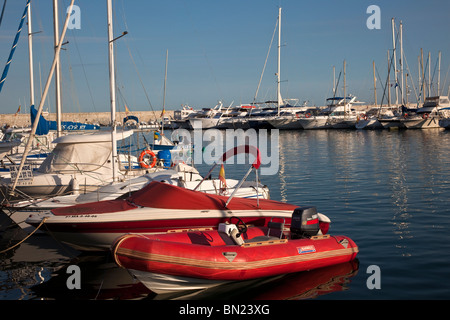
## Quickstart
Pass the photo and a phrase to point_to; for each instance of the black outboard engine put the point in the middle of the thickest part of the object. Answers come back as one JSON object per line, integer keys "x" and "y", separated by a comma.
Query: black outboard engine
{"x": 304, "y": 222}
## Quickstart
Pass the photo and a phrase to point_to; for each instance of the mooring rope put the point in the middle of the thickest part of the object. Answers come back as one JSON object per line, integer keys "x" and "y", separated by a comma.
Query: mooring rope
{"x": 12, "y": 247}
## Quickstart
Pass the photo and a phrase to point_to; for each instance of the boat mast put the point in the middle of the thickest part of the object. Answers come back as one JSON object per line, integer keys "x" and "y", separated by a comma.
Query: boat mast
{"x": 41, "y": 103}
{"x": 112, "y": 89}
{"x": 374, "y": 84}
{"x": 58, "y": 69}
{"x": 395, "y": 62}
{"x": 279, "y": 99}
{"x": 406, "y": 89}
{"x": 30, "y": 55}
{"x": 429, "y": 73}
{"x": 423, "y": 75}
{"x": 439, "y": 75}
{"x": 389, "y": 79}
{"x": 164, "y": 96}
{"x": 345, "y": 98}
{"x": 401, "y": 61}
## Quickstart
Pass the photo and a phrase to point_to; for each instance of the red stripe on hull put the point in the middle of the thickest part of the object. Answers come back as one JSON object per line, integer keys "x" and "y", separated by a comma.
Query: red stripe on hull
{"x": 148, "y": 226}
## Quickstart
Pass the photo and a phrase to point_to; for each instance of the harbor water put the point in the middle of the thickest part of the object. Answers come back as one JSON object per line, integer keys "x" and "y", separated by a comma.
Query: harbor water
{"x": 388, "y": 190}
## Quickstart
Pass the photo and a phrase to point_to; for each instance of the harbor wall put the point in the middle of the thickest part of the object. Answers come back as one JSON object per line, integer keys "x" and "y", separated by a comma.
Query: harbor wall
{"x": 103, "y": 118}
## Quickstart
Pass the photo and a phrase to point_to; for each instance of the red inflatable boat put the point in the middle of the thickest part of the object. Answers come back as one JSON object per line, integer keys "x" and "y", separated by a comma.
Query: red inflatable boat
{"x": 200, "y": 259}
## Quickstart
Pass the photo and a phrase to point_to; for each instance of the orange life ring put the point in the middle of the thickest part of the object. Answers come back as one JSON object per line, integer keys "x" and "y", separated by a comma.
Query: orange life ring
{"x": 143, "y": 163}
{"x": 425, "y": 116}
{"x": 308, "y": 115}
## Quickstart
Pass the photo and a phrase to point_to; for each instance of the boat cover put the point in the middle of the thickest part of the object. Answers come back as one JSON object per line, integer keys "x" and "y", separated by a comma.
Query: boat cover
{"x": 165, "y": 196}
{"x": 162, "y": 195}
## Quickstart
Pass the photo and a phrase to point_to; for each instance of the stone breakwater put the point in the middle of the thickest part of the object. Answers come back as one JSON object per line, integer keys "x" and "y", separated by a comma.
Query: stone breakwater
{"x": 104, "y": 118}
{"x": 101, "y": 118}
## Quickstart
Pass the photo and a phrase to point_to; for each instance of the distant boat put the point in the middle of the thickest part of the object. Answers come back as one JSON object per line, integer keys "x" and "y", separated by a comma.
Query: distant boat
{"x": 44, "y": 126}
{"x": 335, "y": 115}
{"x": 371, "y": 119}
{"x": 428, "y": 116}
{"x": 207, "y": 118}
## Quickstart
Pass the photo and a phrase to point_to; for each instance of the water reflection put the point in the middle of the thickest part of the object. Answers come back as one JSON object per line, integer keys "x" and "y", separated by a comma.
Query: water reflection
{"x": 103, "y": 279}
{"x": 387, "y": 190}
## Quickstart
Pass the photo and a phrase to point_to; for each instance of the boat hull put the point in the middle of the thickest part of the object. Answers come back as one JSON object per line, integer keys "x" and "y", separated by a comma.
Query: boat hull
{"x": 444, "y": 123}
{"x": 97, "y": 232}
{"x": 289, "y": 123}
{"x": 170, "y": 262}
{"x": 421, "y": 123}
{"x": 368, "y": 124}
{"x": 315, "y": 123}
{"x": 392, "y": 123}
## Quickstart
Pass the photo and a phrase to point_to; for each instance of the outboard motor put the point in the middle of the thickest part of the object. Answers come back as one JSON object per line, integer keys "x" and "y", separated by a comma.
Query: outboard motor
{"x": 304, "y": 223}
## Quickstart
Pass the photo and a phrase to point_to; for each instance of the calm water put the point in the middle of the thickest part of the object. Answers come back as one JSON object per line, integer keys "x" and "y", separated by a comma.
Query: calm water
{"x": 387, "y": 190}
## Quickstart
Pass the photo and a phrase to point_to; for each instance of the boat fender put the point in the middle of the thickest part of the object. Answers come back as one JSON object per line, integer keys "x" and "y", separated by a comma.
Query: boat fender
{"x": 142, "y": 161}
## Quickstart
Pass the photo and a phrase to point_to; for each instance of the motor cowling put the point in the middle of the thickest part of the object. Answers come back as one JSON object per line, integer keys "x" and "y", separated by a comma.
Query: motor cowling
{"x": 304, "y": 222}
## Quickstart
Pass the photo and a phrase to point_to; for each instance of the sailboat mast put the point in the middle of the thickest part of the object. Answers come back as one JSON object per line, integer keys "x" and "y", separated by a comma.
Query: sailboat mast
{"x": 401, "y": 61}
{"x": 439, "y": 75}
{"x": 58, "y": 69}
{"x": 165, "y": 80}
{"x": 389, "y": 79}
{"x": 423, "y": 75}
{"x": 429, "y": 73}
{"x": 112, "y": 89}
{"x": 374, "y": 83}
{"x": 164, "y": 95}
{"x": 395, "y": 61}
{"x": 345, "y": 97}
{"x": 41, "y": 103}
{"x": 279, "y": 62}
{"x": 30, "y": 55}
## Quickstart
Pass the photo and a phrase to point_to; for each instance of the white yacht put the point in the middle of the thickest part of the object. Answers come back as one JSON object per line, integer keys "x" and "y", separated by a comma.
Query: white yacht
{"x": 338, "y": 114}
{"x": 428, "y": 116}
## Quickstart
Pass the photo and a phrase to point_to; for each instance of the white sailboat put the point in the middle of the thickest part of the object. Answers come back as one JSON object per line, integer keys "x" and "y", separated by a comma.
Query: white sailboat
{"x": 90, "y": 159}
{"x": 286, "y": 117}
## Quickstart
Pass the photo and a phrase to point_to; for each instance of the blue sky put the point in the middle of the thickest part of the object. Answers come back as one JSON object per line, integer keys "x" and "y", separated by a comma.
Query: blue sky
{"x": 217, "y": 50}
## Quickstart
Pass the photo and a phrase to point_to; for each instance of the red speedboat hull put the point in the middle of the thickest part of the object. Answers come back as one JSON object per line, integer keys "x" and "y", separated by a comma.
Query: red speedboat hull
{"x": 156, "y": 208}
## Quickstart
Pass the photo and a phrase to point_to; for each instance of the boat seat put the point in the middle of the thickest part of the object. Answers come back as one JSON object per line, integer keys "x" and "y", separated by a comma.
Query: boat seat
{"x": 274, "y": 228}
{"x": 261, "y": 239}
{"x": 231, "y": 231}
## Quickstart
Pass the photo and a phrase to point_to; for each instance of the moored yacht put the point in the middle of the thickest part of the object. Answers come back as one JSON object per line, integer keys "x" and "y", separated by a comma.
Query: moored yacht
{"x": 428, "y": 116}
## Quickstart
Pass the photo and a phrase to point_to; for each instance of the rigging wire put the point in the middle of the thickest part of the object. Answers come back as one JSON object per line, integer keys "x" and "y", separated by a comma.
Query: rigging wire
{"x": 3, "y": 11}
{"x": 134, "y": 63}
{"x": 265, "y": 62}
